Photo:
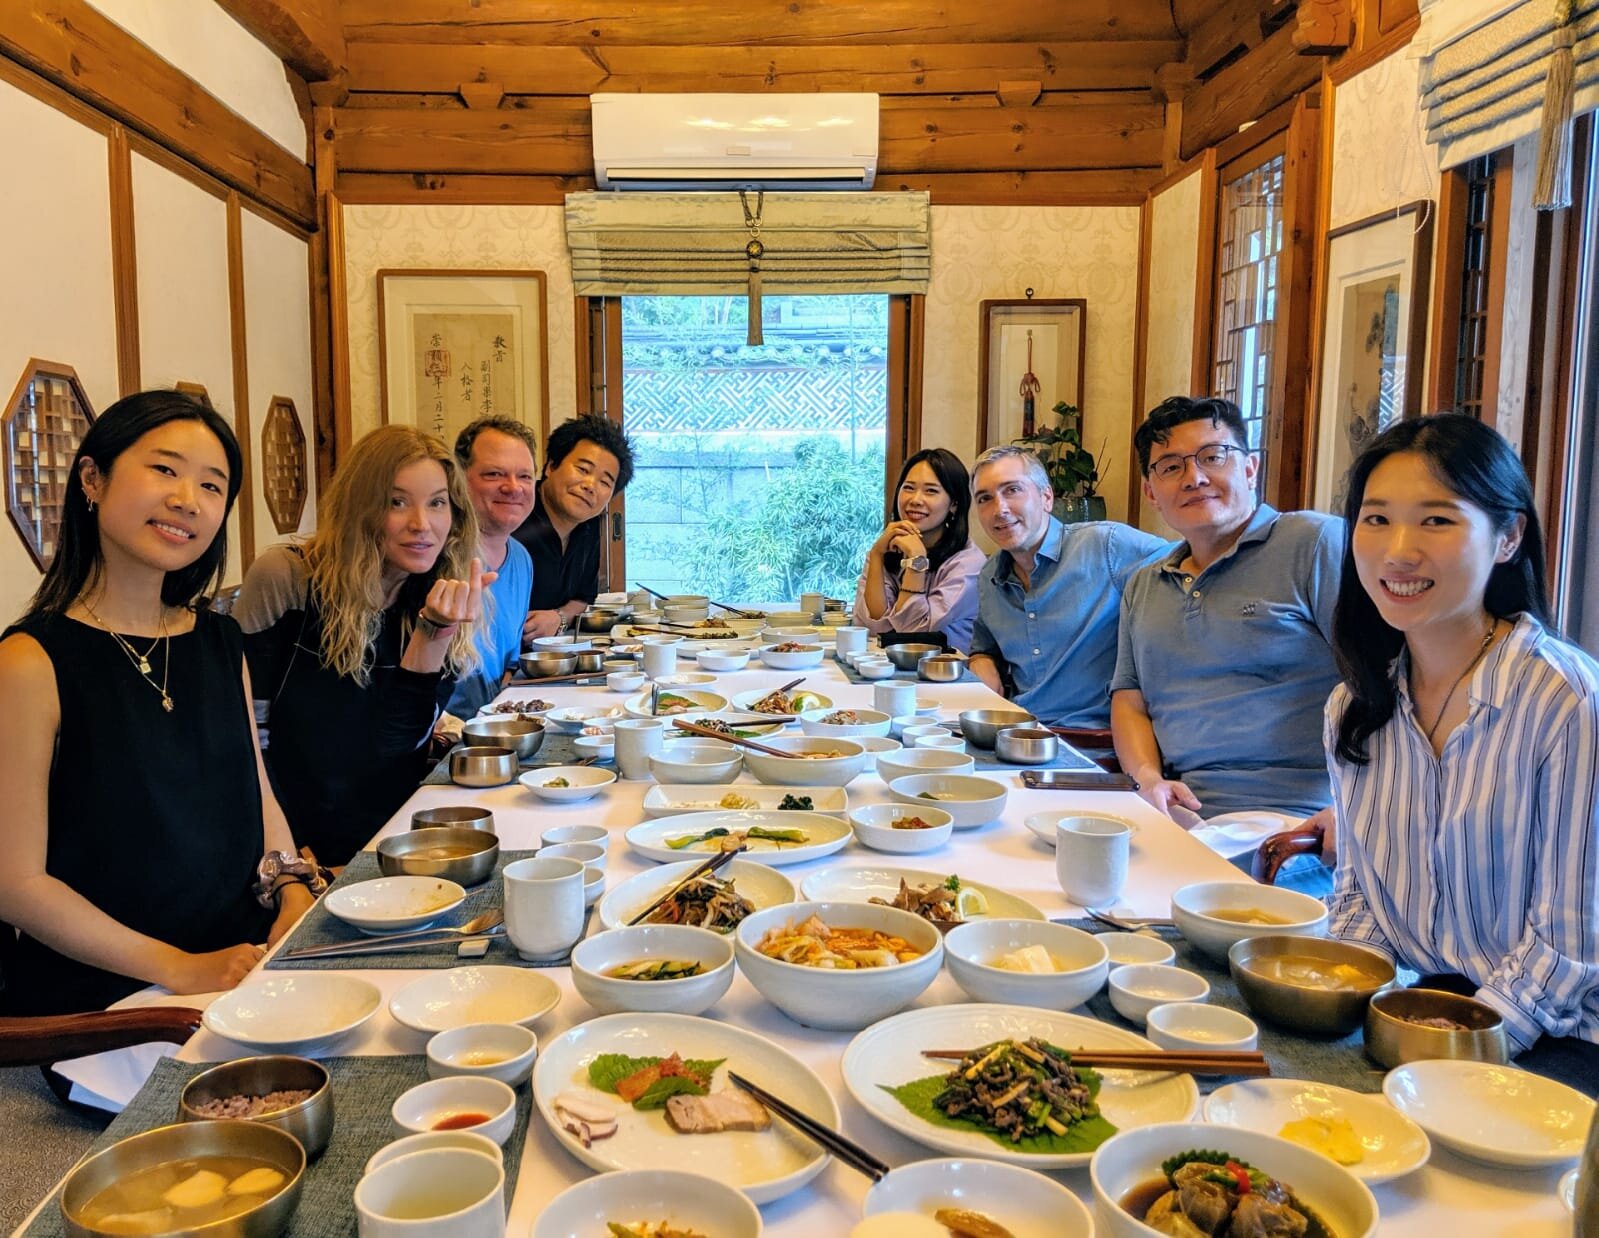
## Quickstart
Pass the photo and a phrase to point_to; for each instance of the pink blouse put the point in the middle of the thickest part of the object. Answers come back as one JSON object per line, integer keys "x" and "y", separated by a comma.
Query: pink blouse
{"x": 949, "y": 605}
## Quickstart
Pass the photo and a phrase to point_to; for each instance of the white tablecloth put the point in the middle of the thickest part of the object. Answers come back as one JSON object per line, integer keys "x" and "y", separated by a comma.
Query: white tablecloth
{"x": 1449, "y": 1196}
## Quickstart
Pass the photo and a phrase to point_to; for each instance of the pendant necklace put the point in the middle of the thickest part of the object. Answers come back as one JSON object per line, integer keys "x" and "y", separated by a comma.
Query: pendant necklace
{"x": 141, "y": 661}
{"x": 1459, "y": 679}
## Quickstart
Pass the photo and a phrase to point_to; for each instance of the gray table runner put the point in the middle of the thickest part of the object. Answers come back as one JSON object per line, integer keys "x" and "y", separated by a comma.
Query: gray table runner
{"x": 854, "y": 676}
{"x": 364, "y": 1089}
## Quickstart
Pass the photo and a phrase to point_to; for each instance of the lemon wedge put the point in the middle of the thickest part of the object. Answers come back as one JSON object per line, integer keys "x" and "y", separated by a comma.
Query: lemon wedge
{"x": 970, "y": 902}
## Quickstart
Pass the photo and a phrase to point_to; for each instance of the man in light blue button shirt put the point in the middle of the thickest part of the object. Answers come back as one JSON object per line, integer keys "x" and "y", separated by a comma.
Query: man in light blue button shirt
{"x": 1048, "y": 600}
{"x": 1225, "y": 658}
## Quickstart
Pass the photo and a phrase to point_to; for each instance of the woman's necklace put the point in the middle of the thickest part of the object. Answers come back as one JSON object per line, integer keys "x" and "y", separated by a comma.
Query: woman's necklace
{"x": 141, "y": 661}
{"x": 1461, "y": 678}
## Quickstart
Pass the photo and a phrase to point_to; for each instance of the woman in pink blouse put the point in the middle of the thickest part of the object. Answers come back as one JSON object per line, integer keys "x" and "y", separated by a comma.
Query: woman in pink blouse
{"x": 921, "y": 572}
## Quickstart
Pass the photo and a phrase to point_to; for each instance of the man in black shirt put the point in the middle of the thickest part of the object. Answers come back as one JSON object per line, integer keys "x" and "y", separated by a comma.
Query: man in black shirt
{"x": 587, "y": 460}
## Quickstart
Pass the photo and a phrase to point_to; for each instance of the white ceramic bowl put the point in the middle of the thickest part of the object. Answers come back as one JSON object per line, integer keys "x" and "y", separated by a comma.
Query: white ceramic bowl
{"x": 590, "y": 855}
{"x": 1129, "y": 1159}
{"x": 909, "y": 762}
{"x": 874, "y": 668}
{"x": 971, "y": 951}
{"x": 941, "y": 740}
{"x": 442, "y": 1000}
{"x": 1192, "y": 907}
{"x": 876, "y": 746}
{"x": 1498, "y": 1115}
{"x": 696, "y": 761}
{"x": 1025, "y": 1202}
{"x": 792, "y": 659}
{"x": 911, "y": 734}
{"x": 422, "y": 1108}
{"x": 871, "y": 722}
{"x": 821, "y": 772}
{"x": 408, "y": 1144}
{"x": 629, "y": 1196}
{"x": 503, "y": 1051}
{"x": 394, "y": 904}
{"x": 571, "y": 719}
{"x": 593, "y": 958}
{"x": 558, "y": 834}
{"x": 723, "y": 659}
{"x": 1198, "y": 1025}
{"x": 601, "y": 746}
{"x": 685, "y": 614}
{"x": 1138, "y": 988}
{"x": 970, "y": 799}
{"x": 1125, "y": 948}
{"x": 874, "y": 826}
{"x": 583, "y": 782}
{"x": 625, "y": 681}
{"x": 839, "y": 1000}
{"x": 276, "y": 1012}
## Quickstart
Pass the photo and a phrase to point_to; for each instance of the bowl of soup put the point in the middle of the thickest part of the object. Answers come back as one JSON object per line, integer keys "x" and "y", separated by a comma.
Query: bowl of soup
{"x": 177, "y": 1180}
{"x": 1309, "y": 984}
{"x": 1213, "y": 915}
{"x": 460, "y": 854}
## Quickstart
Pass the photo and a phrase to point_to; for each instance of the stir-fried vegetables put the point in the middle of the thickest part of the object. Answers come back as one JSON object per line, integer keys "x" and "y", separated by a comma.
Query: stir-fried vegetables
{"x": 1020, "y": 1088}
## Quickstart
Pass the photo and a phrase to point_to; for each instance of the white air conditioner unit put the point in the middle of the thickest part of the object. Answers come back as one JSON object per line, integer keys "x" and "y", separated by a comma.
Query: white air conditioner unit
{"x": 694, "y": 141}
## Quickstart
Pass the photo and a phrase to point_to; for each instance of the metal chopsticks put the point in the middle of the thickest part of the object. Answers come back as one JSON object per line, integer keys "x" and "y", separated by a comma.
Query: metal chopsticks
{"x": 848, "y": 1151}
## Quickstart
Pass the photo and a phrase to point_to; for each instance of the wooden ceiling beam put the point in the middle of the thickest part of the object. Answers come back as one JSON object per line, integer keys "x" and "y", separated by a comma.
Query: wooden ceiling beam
{"x": 912, "y": 68}
{"x": 91, "y": 57}
{"x": 553, "y": 137}
{"x": 1246, "y": 90}
{"x": 752, "y": 22}
{"x": 456, "y": 100}
{"x": 307, "y": 35}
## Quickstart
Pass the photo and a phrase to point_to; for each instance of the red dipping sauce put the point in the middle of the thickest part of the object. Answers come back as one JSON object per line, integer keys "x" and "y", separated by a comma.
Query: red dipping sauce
{"x": 460, "y": 1121}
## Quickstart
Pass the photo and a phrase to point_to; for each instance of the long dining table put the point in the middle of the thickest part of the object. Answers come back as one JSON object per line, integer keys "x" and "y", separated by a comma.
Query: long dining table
{"x": 1449, "y": 1195}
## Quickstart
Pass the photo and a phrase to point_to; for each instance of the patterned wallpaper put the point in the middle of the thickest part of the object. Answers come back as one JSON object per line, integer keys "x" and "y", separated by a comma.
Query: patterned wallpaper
{"x": 982, "y": 252}
{"x": 978, "y": 253}
{"x": 1380, "y": 159}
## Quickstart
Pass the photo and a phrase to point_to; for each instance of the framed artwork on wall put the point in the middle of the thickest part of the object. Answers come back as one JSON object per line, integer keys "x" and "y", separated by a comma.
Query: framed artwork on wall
{"x": 455, "y": 345}
{"x": 1030, "y": 358}
{"x": 1374, "y": 331}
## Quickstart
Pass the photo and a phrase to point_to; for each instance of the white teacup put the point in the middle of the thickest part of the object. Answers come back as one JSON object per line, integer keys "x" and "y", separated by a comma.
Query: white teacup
{"x": 850, "y": 640}
{"x": 436, "y": 1193}
{"x": 544, "y": 905}
{"x": 429, "y": 1140}
{"x": 811, "y": 603}
{"x": 659, "y": 660}
{"x": 1091, "y": 856}
{"x": 894, "y": 698}
{"x": 637, "y": 740}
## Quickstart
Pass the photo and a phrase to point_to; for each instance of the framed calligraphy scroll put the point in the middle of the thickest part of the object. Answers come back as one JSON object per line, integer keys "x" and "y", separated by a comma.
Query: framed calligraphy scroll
{"x": 1029, "y": 351}
{"x": 456, "y": 345}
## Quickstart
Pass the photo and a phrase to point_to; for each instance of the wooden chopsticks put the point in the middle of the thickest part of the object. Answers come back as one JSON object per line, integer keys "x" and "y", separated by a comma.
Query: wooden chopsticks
{"x": 694, "y": 874}
{"x": 1241, "y": 1063}
{"x": 575, "y": 677}
{"x": 851, "y": 1153}
{"x": 693, "y": 728}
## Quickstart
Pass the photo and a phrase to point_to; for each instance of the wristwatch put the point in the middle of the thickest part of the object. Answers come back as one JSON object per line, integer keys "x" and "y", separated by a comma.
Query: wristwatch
{"x": 276, "y": 865}
{"x": 918, "y": 564}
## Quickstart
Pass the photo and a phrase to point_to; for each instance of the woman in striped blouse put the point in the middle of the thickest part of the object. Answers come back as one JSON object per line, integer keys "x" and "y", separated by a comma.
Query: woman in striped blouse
{"x": 1464, "y": 741}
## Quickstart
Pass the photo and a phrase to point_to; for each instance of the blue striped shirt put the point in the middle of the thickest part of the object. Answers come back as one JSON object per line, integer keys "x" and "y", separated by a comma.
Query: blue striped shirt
{"x": 1484, "y": 861}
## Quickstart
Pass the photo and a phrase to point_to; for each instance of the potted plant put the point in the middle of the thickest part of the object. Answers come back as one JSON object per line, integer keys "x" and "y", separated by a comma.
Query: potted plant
{"x": 1073, "y": 473}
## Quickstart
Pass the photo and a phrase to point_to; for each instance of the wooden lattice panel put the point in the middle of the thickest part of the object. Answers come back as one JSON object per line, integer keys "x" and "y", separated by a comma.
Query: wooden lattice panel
{"x": 46, "y": 420}
{"x": 283, "y": 471}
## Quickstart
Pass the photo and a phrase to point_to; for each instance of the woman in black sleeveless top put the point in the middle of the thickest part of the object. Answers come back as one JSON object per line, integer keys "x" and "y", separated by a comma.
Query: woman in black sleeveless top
{"x": 128, "y": 763}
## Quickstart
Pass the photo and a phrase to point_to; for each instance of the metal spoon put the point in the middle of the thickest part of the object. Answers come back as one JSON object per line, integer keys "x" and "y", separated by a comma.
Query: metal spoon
{"x": 477, "y": 926}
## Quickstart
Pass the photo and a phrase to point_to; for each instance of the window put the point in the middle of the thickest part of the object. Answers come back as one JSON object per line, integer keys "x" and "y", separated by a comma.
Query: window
{"x": 1247, "y": 262}
{"x": 1471, "y": 355}
{"x": 1474, "y": 214}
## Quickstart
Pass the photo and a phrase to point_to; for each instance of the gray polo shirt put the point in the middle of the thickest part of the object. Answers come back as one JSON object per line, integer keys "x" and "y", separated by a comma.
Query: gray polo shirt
{"x": 1057, "y": 638}
{"x": 1236, "y": 664}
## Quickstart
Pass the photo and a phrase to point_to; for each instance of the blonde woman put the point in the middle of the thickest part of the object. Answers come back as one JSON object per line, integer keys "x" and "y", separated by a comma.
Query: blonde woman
{"x": 354, "y": 638}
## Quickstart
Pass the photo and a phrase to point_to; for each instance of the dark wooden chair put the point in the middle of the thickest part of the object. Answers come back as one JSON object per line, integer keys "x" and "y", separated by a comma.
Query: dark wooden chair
{"x": 42, "y": 1039}
{"x": 1094, "y": 742}
{"x": 1277, "y": 850}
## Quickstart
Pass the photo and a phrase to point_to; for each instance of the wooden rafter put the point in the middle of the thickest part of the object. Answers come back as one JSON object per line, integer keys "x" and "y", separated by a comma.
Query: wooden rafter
{"x": 307, "y": 35}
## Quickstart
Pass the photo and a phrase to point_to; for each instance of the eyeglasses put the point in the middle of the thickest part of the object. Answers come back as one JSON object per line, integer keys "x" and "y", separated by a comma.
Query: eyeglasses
{"x": 1211, "y": 456}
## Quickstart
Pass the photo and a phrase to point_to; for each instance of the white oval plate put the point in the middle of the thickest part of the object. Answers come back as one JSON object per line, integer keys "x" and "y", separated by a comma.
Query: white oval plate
{"x": 1042, "y": 824}
{"x": 861, "y": 885}
{"x": 669, "y": 799}
{"x": 1393, "y": 1144}
{"x": 746, "y": 701}
{"x": 763, "y": 886}
{"x": 889, "y": 1053}
{"x": 824, "y": 835}
{"x": 765, "y": 1165}
{"x": 571, "y": 719}
{"x": 1494, "y": 1114}
{"x": 278, "y": 1013}
{"x": 394, "y": 904}
{"x": 445, "y": 999}
{"x": 638, "y": 706}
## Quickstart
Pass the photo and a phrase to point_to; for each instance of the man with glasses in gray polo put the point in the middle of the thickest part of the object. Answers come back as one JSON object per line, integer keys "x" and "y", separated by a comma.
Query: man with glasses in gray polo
{"x": 1225, "y": 659}
{"x": 1047, "y": 601}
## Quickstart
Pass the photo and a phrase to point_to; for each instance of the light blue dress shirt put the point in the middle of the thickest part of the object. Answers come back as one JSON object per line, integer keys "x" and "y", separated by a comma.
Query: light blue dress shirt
{"x": 499, "y": 638}
{"x": 1058, "y": 637}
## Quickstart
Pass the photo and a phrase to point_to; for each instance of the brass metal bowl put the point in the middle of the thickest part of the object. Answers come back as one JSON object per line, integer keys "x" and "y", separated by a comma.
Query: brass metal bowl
{"x": 544, "y": 664}
{"x": 311, "y": 1121}
{"x": 941, "y": 667}
{"x": 416, "y": 854}
{"x": 982, "y": 726}
{"x": 1392, "y": 1040}
{"x": 183, "y": 1140}
{"x": 602, "y": 619}
{"x": 524, "y": 736}
{"x": 905, "y": 657}
{"x": 482, "y": 766}
{"x": 590, "y": 661}
{"x": 1026, "y": 745}
{"x": 1320, "y": 1012}
{"x": 469, "y": 816}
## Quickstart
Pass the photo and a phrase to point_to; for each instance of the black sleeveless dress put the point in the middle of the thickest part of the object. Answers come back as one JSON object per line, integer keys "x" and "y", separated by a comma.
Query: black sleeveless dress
{"x": 155, "y": 817}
